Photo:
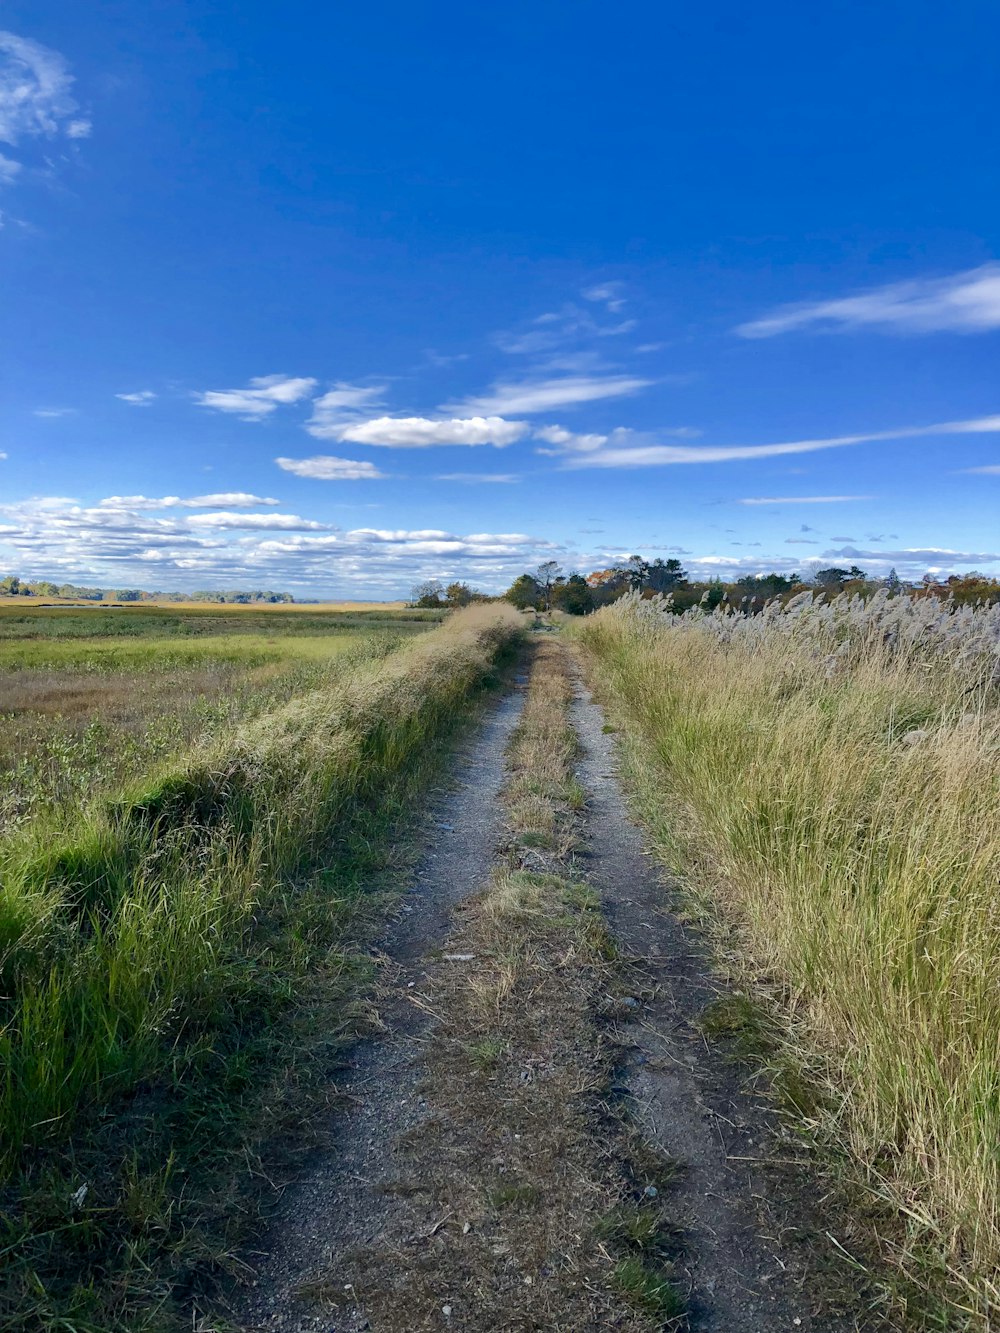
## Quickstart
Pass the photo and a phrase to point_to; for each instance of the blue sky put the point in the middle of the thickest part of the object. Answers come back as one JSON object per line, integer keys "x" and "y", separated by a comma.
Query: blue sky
{"x": 338, "y": 298}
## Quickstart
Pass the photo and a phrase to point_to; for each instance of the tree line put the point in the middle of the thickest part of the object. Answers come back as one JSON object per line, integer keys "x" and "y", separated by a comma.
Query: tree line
{"x": 549, "y": 588}
{"x": 12, "y": 586}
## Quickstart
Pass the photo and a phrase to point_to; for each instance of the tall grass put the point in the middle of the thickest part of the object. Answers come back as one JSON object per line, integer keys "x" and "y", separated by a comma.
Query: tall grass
{"x": 122, "y": 936}
{"x": 838, "y": 764}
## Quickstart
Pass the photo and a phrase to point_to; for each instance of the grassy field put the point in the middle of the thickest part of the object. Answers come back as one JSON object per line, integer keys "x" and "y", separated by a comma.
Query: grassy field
{"x": 93, "y": 698}
{"x": 826, "y": 776}
{"x": 170, "y": 942}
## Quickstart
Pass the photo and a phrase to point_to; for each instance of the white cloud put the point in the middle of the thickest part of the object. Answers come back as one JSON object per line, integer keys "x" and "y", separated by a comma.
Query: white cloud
{"x": 2, "y": 454}
{"x": 79, "y": 129}
{"x": 966, "y": 302}
{"x": 479, "y": 478}
{"x": 607, "y": 293}
{"x": 8, "y": 169}
{"x": 530, "y": 396}
{"x": 280, "y": 522}
{"x": 53, "y": 413}
{"x": 624, "y": 454}
{"x": 323, "y": 467}
{"x": 231, "y": 499}
{"x": 141, "y": 399}
{"x": 423, "y": 433}
{"x": 35, "y": 97}
{"x": 565, "y": 441}
{"x": 802, "y": 499}
{"x": 990, "y": 469}
{"x": 341, "y": 406}
{"x": 260, "y": 398}
{"x": 933, "y": 558}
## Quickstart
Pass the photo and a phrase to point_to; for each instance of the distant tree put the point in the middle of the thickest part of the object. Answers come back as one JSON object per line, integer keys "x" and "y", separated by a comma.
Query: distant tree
{"x": 459, "y": 594}
{"x": 893, "y": 581}
{"x": 607, "y": 585}
{"x": 573, "y": 596}
{"x": 545, "y": 576}
{"x": 525, "y": 591}
{"x": 10, "y": 586}
{"x": 665, "y": 575}
{"x": 430, "y": 593}
{"x": 834, "y": 577}
{"x": 636, "y": 572}
{"x": 764, "y": 585}
{"x": 973, "y": 589}
{"x": 128, "y": 595}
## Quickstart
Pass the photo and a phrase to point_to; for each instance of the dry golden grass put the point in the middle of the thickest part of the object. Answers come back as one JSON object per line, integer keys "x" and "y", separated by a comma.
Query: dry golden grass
{"x": 834, "y": 782}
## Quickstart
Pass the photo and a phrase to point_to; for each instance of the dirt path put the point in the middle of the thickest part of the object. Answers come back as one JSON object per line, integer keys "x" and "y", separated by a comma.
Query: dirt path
{"x": 375, "y": 1235}
{"x": 343, "y": 1200}
{"x": 746, "y": 1253}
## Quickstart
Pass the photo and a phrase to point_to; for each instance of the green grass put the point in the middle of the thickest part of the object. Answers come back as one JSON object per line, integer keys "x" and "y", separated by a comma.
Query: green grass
{"x": 101, "y": 622}
{"x": 650, "y": 1287}
{"x": 170, "y": 966}
{"x": 83, "y": 711}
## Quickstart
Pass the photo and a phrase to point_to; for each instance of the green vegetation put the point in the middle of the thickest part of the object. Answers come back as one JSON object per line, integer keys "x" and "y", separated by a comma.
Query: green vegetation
{"x": 549, "y": 588}
{"x": 171, "y": 961}
{"x": 826, "y": 773}
{"x": 90, "y": 701}
{"x": 12, "y": 586}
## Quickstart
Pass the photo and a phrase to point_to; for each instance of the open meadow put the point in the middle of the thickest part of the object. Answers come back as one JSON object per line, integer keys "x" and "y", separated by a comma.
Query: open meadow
{"x": 93, "y": 697}
{"x": 196, "y": 805}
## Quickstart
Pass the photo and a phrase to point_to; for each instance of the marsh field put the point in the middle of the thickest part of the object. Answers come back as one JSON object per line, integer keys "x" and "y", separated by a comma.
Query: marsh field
{"x": 96, "y": 696}
{"x": 203, "y": 811}
{"x": 196, "y": 806}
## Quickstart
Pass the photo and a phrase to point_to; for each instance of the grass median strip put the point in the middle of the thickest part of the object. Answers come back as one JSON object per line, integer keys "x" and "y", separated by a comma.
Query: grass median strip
{"x": 523, "y": 1211}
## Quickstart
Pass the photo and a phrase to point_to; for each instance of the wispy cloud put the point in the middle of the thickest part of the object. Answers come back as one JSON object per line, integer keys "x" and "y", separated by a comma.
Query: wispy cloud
{"x": 990, "y": 469}
{"x": 423, "y": 433}
{"x": 530, "y": 396}
{"x": 802, "y": 500}
{"x": 607, "y": 293}
{"x": 480, "y": 478}
{"x": 569, "y": 329}
{"x": 934, "y": 558}
{"x": 967, "y": 302}
{"x": 141, "y": 399}
{"x": 36, "y": 100}
{"x": 217, "y": 500}
{"x": 323, "y": 467}
{"x": 620, "y": 451}
{"x": 53, "y": 413}
{"x": 260, "y": 398}
{"x": 341, "y": 406}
